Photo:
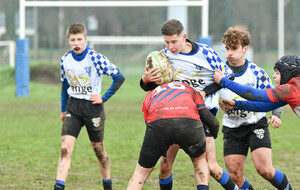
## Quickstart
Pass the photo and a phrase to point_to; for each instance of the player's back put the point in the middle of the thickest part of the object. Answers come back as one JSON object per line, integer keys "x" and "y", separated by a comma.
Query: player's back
{"x": 172, "y": 100}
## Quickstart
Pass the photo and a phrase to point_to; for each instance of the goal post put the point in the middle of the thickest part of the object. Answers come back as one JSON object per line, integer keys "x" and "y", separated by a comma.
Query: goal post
{"x": 11, "y": 49}
{"x": 22, "y": 58}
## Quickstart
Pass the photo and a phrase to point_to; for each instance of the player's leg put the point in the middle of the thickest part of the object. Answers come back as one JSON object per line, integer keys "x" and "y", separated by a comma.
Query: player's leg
{"x": 139, "y": 177}
{"x": 191, "y": 138}
{"x": 201, "y": 172}
{"x": 157, "y": 140}
{"x": 217, "y": 172}
{"x": 104, "y": 164}
{"x": 64, "y": 163}
{"x": 262, "y": 159}
{"x": 235, "y": 149}
{"x": 165, "y": 170}
{"x": 70, "y": 131}
{"x": 235, "y": 166}
{"x": 94, "y": 121}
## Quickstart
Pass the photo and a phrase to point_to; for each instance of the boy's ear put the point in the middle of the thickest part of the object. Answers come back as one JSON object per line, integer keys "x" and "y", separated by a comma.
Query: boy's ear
{"x": 245, "y": 49}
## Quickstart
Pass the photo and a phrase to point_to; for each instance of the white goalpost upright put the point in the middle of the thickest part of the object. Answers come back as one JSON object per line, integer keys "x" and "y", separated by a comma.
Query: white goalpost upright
{"x": 11, "y": 46}
{"x": 22, "y": 55}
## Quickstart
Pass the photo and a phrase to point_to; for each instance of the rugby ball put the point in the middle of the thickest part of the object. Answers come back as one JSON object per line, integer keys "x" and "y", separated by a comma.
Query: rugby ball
{"x": 157, "y": 59}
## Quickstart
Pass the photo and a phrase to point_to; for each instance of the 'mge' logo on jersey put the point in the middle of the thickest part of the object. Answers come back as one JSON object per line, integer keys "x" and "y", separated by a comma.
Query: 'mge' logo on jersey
{"x": 80, "y": 85}
{"x": 81, "y": 89}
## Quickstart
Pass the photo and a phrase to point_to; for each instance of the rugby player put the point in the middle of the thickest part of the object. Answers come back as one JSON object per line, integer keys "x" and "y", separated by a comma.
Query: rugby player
{"x": 171, "y": 112}
{"x": 81, "y": 75}
{"x": 287, "y": 79}
{"x": 244, "y": 130}
{"x": 192, "y": 63}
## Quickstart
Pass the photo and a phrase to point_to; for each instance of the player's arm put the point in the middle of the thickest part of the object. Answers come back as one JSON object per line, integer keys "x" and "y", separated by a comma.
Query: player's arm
{"x": 118, "y": 80}
{"x": 257, "y": 106}
{"x": 226, "y": 104}
{"x": 64, "y": 98}
{"x": 206, "y": 116}
{"x": 263, "y": 82}
{"x": 276, "y": 108}
{"x": 148, "y": 78}
{"x": 217, "y": 63}
{"x": 210, "y": 120}
{"x": 214, "y": 87}
{"x": 244, "y": 91}
{"x": 147, "y": 86}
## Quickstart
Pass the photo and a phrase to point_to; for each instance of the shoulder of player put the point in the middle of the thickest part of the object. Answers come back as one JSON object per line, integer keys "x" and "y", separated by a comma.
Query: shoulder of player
{"x": 255, "y": 68}
{"x": 95, "y": 56}
{"x": 295, "y": 81}
{"x": 65, "y": 55}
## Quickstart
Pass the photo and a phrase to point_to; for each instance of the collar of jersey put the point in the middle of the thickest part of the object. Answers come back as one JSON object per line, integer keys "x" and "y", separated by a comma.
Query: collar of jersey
{"x": 234, "y": 69}
{"x": 194, "y": 48}
{"x": 80, "y": 57}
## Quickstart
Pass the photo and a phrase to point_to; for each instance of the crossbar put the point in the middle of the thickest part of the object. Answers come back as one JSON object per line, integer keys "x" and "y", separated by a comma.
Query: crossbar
{"x": 112, "y": 3}
{"x": 203, "y": 3}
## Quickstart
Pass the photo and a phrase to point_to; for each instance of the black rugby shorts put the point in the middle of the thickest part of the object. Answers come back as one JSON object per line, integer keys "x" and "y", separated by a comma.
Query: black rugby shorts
{"x": 83, "y": 113}
{"x": 161, "y": 134}
{"x": 239, "y": 140}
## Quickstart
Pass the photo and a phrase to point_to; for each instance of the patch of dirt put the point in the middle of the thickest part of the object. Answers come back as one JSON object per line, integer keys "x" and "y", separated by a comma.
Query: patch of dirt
{"x": 45, "y": 74}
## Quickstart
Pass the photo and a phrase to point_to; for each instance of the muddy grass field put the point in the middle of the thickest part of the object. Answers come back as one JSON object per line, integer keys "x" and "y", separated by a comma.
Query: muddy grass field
{"x": 30, "y": 140}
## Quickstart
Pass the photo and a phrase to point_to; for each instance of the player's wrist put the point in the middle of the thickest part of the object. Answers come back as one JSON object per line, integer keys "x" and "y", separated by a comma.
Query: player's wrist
{"x": 145, "y": 79}
{"x": 222, "y": 82}
{"x": 235, "y": 106}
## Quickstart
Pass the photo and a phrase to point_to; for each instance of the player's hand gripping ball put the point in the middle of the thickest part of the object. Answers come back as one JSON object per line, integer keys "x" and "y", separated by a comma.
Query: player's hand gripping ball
{"x": 159, "y": 60}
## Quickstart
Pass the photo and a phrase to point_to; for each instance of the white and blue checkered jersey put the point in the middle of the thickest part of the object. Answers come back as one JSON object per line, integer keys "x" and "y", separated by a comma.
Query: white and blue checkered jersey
{"x": 255, "y": 77}
{"x": 197, "y": 70}
{"x": 84, "y": 72}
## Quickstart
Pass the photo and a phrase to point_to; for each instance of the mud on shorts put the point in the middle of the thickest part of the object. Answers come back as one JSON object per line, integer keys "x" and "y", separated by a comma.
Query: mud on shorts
{"x": 239, "y": 140}
{"x": 83, "y": 113}
{"x": 161, "y": 134}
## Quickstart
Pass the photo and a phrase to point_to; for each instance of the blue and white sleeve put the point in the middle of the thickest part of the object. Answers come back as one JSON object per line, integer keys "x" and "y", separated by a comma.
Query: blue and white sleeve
{"x": 64, "y": 87}
{"x": 263, "y": 79}
{"x": 64, "y": 95}
{"x": 257, "y": 106}
{"x": 118, "y": 80}
{"x": 246, "y": 92}
{"x": 214, "y": 58}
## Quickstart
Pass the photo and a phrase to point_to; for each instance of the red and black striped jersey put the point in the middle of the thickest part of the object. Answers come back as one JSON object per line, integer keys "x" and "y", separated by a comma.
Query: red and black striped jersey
{"x": 172, "y": 100}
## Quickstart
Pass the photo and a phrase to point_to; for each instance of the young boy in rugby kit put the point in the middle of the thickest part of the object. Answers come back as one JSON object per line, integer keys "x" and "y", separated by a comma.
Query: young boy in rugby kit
{"x": 192, "y": 63}
{"x": 244, "y": 129}
{"x": 287, "y": 79}
{"x": 171, "y": 112}
{"x": 81, "y": 75}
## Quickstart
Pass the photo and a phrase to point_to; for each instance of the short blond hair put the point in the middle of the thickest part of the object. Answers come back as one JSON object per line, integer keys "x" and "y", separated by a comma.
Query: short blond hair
{"x": 76, "y": 29}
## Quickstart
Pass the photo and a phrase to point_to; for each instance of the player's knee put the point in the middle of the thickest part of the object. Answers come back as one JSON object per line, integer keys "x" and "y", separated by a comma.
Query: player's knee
{"x": 64, "y": 152}
{"x": 101, "y": 155}
{"x": 265, "y": 173}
